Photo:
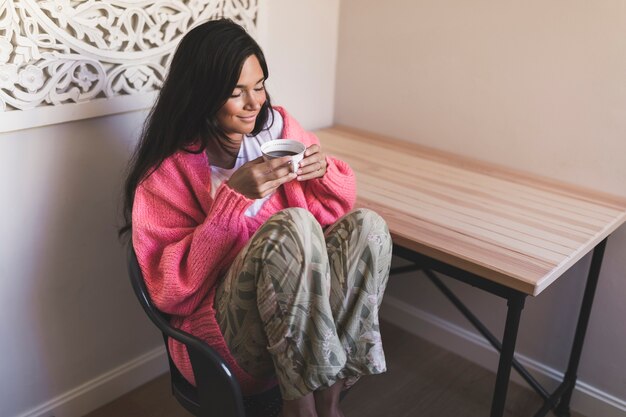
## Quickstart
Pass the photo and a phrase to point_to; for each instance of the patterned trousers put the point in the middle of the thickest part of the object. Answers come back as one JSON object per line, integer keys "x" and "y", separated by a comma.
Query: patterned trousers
{"x": 302, "y": 305}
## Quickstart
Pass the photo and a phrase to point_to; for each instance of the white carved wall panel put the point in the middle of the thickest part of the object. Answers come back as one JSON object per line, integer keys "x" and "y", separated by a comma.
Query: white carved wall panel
{"x": 64, "y": 53}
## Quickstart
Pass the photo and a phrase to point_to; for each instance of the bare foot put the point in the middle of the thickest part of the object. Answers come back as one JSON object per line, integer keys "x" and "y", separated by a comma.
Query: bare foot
{"x": 302, "y": 407}
{"x": 327, "y": 400}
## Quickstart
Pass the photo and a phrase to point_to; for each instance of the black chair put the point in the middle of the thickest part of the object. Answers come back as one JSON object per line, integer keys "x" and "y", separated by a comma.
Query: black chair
{"x": 217, "y": 393}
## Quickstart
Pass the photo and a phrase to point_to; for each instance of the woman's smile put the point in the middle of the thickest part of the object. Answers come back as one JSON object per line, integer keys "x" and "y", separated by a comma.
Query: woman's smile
{"x": 249, "y": 119}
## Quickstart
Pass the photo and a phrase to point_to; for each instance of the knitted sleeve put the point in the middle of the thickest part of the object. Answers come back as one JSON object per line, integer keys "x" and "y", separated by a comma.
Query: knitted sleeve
{"x": 183, "y": 239}
{"x": 331, "y": 196}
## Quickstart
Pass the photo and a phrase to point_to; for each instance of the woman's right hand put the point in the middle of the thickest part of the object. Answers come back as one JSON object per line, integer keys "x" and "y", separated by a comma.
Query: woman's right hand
{"x": 258, "y": 178}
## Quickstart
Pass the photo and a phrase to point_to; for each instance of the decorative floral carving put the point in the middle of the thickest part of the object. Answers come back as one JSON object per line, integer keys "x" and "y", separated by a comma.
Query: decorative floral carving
{"x": 64, "y": 51}
{"x": 5, "y": 50}
{"x": 85, "y": 78}
{"x": 31, "y": 78}
{"x": 8, "y": 76}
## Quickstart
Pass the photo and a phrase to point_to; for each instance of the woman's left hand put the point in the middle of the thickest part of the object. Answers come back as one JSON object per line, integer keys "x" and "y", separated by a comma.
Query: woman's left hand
{"x": 313, "y": 165}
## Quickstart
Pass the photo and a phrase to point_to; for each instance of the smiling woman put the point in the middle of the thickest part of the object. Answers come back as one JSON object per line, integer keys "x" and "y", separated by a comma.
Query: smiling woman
{"x": 267, "y": 264}
{"x": 238, "y": 115}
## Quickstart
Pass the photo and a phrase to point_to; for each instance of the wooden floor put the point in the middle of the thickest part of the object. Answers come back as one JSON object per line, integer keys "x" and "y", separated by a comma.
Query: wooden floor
{"x": 422, "y": 380}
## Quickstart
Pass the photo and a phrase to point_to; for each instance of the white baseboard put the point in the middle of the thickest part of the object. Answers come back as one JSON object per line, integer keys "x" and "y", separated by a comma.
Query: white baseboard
{"x": 104, "y": 388}
{"x": 586, "y": 400}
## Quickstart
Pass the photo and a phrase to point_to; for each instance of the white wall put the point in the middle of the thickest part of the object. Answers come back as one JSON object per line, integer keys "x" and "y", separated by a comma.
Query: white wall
{"x": 73, "y": 334}
{"x": 534, "y": 85}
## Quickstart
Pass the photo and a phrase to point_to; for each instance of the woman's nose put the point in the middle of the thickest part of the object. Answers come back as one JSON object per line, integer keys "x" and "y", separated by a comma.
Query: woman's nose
{"x": 253, "y": 101}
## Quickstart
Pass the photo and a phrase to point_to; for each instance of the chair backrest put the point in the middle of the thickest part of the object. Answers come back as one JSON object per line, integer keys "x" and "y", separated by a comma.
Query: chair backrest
{"x": 217, "y": 392}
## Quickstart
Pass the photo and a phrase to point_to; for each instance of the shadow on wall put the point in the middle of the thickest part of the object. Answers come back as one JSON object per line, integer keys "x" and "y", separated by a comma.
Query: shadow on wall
{"x": 76, "y": 315}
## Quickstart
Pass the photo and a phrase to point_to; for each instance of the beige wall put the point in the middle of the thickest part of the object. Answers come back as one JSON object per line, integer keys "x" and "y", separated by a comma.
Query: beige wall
{"x": 301, "y": 48}
{"x": 535, "y": 85}
{"x": 73, "y": 335}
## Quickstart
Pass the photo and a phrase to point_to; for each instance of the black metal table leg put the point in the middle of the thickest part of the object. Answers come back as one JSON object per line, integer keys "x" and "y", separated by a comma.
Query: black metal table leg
{"x": 515, "y": 306}
{"x": 495, "y": 343}
{"x": 559, "y": 400}
{"x": 562, "y": 408}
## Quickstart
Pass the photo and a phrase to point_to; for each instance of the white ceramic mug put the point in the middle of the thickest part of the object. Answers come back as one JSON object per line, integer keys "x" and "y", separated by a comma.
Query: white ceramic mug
{"x": 284, "y": 147}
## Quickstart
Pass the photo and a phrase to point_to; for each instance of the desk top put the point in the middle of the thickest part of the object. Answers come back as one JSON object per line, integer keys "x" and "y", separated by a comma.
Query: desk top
{"x": 516, "y": 229}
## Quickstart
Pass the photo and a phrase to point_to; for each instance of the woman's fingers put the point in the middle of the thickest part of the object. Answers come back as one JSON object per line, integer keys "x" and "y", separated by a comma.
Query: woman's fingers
{"x": 272, "y": 185}
{"x": 313, "y": 165}
{"x": 264, "y": 177}
{"x": 311, "y": 174}
{"x": 258, "y": 178}
{"x": 269, "y": 186}
{"x": 279, "y": 166}
{"x": 274, "y": 173}
{"x": 313, "y": 149}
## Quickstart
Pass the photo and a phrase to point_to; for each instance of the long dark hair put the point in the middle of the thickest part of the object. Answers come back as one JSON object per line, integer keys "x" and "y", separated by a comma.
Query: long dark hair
{"x": 202, "y": 76}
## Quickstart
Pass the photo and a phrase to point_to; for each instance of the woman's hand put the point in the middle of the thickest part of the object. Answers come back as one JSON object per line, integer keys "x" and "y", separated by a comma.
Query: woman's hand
{"x": 258, "y": 178}
{"x": 313, "y": 165}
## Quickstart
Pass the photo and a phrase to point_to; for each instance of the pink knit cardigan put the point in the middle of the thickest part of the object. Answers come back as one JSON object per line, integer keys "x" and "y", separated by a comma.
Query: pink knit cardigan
{"x": 185, "y": 240}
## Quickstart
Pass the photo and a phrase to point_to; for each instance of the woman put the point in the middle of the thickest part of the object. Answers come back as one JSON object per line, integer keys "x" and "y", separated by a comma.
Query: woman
{"x": 268, "y": 266}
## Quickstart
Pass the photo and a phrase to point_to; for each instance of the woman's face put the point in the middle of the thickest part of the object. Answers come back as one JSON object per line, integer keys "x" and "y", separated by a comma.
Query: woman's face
{"x": 238, "y": 115}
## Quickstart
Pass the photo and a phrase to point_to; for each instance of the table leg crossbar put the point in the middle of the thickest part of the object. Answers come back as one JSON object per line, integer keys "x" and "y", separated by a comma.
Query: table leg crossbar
{"x": 559, "y": 400}
{"x": 485, "y": 332}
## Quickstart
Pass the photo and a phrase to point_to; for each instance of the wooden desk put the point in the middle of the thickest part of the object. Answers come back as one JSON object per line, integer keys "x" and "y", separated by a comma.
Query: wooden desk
{"x": 507, "y": 232}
